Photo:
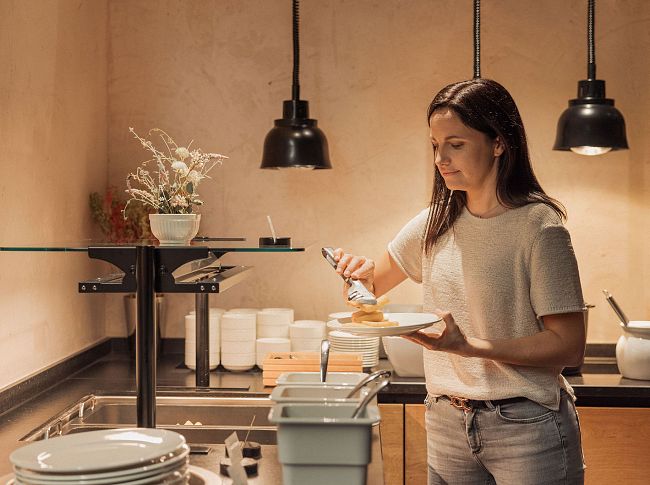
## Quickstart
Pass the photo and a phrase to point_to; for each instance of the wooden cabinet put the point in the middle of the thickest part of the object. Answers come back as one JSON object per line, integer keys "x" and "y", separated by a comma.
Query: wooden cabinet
{"x": 415, "y": 445}
{"x": 615, "y": 442}
{"x": 403, "y": 444}
{"x": 616, "y": 445}
{"x": 391, "y": 430}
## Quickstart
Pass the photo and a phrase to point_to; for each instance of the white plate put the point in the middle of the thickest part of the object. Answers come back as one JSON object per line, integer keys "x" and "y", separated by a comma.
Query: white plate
{"x": 129, "y": 474}
{"x": 208, "y": 477}
{"x": 408, "y": 323}
{"x": 337, "y": 315}
{"x": 96, "y": 451}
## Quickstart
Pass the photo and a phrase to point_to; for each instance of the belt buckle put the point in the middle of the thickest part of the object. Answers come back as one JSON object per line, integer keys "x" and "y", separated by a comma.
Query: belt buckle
{"x": 460, "y": 403}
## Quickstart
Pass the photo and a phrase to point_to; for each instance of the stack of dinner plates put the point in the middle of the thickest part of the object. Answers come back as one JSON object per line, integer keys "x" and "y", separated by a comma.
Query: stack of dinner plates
{"x": 345, "y": 342}
{"x": 130, "y": 455}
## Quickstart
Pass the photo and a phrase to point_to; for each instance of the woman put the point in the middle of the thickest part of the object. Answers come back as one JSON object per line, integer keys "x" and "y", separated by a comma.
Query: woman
{"x": 497, "y": 264}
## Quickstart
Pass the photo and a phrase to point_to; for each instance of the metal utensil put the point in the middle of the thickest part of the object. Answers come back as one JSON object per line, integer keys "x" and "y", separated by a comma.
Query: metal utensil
{"x": 324, "y": 358}
{"x": 383, "y": 382}
{"x": 367, "y": 380}
{"x": 356, "y": 291}
{"x": 616, "y": 308}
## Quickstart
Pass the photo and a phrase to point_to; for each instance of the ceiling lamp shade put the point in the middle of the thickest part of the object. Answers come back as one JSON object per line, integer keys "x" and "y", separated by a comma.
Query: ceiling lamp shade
{"x": 295, "y": 141}
{"x": 591, "y": 125}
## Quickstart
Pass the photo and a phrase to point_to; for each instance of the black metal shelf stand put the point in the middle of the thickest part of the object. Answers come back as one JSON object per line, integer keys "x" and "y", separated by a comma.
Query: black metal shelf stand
{"x": 147, "y": 270}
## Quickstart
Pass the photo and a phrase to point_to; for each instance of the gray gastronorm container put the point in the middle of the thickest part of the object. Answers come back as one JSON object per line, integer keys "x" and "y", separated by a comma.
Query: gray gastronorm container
{"x": 314, "y": 394}
{"x": 350, "y": 379}
{"x": 321, "y": 444}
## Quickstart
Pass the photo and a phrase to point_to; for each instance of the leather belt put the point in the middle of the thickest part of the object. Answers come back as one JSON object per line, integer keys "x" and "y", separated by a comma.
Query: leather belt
{"x": 469, "y": 404}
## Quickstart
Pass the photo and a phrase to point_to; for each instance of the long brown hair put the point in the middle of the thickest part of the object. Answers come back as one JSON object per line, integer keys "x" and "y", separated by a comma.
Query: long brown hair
{"x": 486, "y": 106}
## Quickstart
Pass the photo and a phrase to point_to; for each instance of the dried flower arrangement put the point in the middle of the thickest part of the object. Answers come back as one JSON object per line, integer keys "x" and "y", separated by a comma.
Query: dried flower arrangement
{"x": 171, "y": 186}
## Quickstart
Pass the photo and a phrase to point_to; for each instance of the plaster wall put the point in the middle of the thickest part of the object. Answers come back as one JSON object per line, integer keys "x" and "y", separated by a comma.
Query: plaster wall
{"x": 53, "y": 145}
{"x": 217, "y": 72}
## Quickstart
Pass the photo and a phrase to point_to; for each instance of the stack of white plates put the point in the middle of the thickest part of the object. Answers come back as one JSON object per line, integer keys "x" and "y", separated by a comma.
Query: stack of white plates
{"x": 190, "y": 338}
{"x": 306, "y": 335}
{"x": 274, "y": 322}
{"x": 345, "y": 342}
{"x": 238, "y": 335}
{"x": 135, "y": 455}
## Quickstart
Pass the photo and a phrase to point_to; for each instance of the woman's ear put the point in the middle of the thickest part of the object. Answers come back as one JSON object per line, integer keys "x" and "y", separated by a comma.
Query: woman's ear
{"x": 499, "y": 147}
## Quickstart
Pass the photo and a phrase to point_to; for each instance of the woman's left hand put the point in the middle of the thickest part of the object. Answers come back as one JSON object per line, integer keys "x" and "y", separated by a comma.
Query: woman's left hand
{"x": 451, "y": 339}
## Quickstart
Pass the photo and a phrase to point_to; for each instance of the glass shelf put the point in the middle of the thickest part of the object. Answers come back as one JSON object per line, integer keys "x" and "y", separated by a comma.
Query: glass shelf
{"x": 232, "y": 244}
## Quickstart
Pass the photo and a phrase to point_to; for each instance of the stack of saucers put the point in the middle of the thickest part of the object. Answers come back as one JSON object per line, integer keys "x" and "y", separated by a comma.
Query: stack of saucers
{"x": 133, "y": 455}
{"x": 345, "y": 342}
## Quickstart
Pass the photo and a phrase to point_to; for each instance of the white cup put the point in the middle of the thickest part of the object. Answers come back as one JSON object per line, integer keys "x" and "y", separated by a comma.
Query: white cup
{"x": 238, "y": 347}
{"x": 307, "y": 329}
{"x": 305, "y": 344}
{"x": 238, "y": 362}
{"x": 237, "y": 335}
{"x": 190, "y": 340}
{"x": 273, "y": 331}
{"x": 190, "y": 360}
{"x": 265, "y": 346}
{"x": 238, "y": 321}
{"x": 273, "y": 318}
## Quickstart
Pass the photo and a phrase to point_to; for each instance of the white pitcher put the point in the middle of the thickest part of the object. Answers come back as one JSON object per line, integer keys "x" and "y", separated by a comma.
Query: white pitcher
{"x": 633, "y": 350}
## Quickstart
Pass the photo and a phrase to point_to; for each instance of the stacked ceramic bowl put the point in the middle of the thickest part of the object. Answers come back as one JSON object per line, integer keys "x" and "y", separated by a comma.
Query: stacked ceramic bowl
{"x": 306, "y": 335}
{"x": 274, "y": 322}
{"x": 190, "y": 338}
{"x": 345, "y": 342}
{"x": 134, "y": 455}
{"x": 238, "y": 334}
{"x": 265, "y": 346}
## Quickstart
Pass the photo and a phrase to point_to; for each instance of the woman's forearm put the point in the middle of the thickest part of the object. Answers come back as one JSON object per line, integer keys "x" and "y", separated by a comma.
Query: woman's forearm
{"x": 559, "y": 346}
{"x": 387, "y": 275}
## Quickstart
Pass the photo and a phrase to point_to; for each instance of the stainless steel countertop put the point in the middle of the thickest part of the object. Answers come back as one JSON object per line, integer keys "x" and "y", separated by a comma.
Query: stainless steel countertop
{"x": 115, "y": 373}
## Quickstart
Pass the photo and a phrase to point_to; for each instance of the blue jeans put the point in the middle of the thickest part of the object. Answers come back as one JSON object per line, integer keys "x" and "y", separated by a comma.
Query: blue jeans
{"x": 519, "y": 443}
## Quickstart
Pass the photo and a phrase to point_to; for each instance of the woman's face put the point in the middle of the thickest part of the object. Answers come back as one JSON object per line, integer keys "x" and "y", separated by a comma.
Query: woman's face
{"x": 466, "y": 158}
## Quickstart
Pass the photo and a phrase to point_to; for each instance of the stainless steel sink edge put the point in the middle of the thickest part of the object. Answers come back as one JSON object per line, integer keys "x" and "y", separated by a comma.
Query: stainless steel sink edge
{"x": 218, "y": 414}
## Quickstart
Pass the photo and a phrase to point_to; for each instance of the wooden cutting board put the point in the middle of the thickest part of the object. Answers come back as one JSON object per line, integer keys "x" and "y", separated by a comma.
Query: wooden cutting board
{"x": 277, "y": 363}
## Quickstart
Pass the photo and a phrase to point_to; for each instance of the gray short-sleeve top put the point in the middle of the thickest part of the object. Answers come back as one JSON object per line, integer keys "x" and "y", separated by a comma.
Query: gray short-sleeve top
{"x": 498, "y": 277}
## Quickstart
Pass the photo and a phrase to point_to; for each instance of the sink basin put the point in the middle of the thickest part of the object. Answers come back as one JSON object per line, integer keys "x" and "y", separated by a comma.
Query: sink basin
{"x": 218, "y": 417}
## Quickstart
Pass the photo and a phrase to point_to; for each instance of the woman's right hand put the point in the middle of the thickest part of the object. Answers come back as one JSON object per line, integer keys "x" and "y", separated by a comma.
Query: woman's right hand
{"x": 355, "y": 267}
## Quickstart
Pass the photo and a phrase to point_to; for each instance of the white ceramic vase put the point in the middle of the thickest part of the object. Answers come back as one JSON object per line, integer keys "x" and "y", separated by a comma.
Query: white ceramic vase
{"x": 174, "y": 229}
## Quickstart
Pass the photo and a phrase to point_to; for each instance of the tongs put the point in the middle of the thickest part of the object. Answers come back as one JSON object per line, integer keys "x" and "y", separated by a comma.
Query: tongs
{"x": 381, "y": 383}
{"x": 356, "y": 291}
{"x": 380, "y": 374}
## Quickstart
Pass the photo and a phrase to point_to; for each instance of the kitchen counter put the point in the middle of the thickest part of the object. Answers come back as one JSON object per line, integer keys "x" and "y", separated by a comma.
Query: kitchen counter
{"x": 115, "y": 374}
{"x": 599, "y": 385}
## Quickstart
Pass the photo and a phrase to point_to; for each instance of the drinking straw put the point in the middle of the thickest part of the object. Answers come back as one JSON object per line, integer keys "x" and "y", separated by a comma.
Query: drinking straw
{"x": 268, "y": 218}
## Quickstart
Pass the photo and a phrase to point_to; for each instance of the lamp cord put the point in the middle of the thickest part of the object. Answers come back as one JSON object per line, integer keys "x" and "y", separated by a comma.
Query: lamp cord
{"x": 477, "y": 39}
{"x": 295, "y": 88}
{"x": 591, "y": 49}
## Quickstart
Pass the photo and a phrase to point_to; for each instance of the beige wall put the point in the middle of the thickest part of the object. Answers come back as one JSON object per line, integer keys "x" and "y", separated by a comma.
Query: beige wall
{"x": 53, "y": 141}
{"x": 218, "y": 71}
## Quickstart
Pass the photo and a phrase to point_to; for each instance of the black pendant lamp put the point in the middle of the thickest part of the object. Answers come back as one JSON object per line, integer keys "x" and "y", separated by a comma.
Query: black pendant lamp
{"x": 295, "y": 141}
{"x": 591, "y": 125}
{"x": 477, "y": 39}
